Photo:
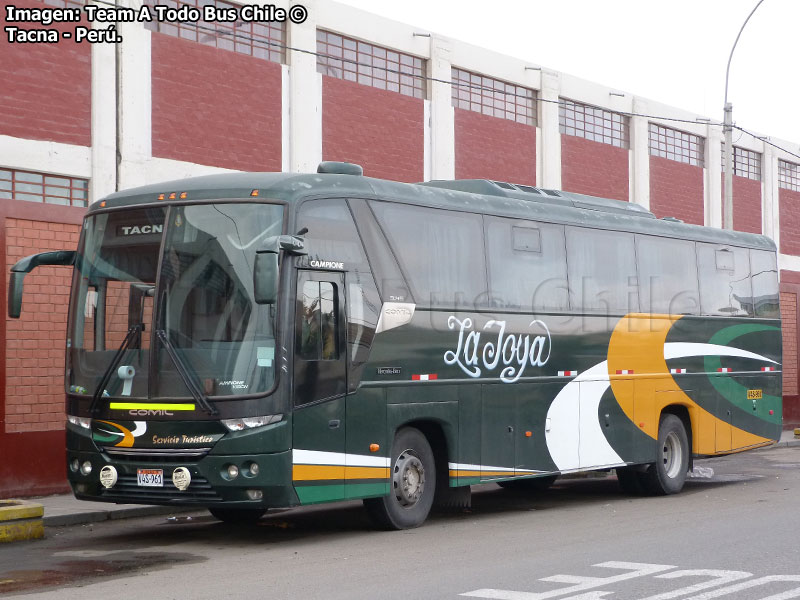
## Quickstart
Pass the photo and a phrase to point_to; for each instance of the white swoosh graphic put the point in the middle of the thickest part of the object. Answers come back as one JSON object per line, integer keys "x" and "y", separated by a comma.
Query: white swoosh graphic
{"x": 684, "y": 349}
{"x": 577, "y": 404}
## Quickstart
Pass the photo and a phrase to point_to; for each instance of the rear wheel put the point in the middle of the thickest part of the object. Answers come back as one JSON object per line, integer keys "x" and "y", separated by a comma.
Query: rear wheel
{"x": 237, "y": 515}
{"x": 668, "y": 474}
{"x": 413, "y": 483}
{"x": 529, "y": 484}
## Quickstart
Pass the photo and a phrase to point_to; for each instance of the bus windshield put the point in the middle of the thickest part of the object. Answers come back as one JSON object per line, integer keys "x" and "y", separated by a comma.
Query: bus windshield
{"x": 163, "y": 300}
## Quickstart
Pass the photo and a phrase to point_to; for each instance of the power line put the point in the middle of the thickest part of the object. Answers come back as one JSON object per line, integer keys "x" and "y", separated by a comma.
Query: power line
{"x": 560, "y": 102}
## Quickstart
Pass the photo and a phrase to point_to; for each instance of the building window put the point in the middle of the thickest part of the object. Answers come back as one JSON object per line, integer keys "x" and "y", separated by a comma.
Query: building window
{"x": 65, "y": 3}
{"x": 261, "y": 39}
{"x": 353, "y": 60}
{"x": 38, "y": 187}
{"x": 788, "y": 175}
{"x": 677, "y": 145}
{"x": 593, "y": 123}
{"x": 493, "y": 97}
{"x": 746, "y": 163}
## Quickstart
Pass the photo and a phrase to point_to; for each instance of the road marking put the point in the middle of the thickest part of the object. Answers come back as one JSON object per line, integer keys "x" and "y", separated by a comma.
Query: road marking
{"x": 585, "y": 587}
{"x": 581, "y": 583}
{"x": 720, "y": 578}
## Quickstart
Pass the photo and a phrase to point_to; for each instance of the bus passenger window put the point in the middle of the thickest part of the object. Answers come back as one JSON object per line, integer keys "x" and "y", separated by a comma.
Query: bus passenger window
{"x": 318, "y": 329}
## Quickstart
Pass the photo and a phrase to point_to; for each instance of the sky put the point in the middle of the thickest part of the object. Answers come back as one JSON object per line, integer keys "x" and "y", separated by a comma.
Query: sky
{"x": 671, "y": 51}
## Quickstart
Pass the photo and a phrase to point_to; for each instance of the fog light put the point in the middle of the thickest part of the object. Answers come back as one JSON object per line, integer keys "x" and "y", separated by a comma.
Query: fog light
{"x": 75, "y": 465}
{"x": 233, "y": 471}
{"x": 82, "y": 488}
{"x": 86, "y": 467}
{"x": 255, "y": 494}
{"x": 253, "y": 468}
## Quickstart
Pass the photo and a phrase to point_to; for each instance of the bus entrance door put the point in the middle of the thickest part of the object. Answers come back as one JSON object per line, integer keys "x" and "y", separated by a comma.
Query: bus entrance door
{"x": 320, "y": 384}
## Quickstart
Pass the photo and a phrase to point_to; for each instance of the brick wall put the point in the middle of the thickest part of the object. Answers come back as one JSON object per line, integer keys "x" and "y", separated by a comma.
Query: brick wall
{"x": 790, "y": 221}
{"x": 380, "y": 130}
{"x": 34, "y": 390}
{"x": 492, "y": 148}
{"x": 676, "y": 190}
{"x": 746, "y": 204}
{"x": 215, "y": 107}
{"x": 593, "y": 168}
{"x": 45, "y": 90}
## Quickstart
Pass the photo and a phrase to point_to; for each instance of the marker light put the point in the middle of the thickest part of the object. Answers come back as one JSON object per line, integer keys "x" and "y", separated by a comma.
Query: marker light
{"x": 250, "y": 422}
{"x": 80, "y": 421}
{"x": 254, "y": 193}
{"x": 86, "y": 467}
{"x": 161, "y": 196}
{"x": 183, "y": 195}
{"x": 172, "y": 196}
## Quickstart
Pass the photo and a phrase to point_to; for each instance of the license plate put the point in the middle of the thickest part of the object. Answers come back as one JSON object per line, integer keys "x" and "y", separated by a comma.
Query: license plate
{"x": 150, "y": 477}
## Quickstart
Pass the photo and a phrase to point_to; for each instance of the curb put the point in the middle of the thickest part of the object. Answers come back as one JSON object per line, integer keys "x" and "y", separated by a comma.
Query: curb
{"x": 98, "y": 516}
{"x": 20, "y": 520}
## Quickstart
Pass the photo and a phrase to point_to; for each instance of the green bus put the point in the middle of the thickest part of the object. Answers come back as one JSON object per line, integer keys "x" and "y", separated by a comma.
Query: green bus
{"x": 255, "y": 340}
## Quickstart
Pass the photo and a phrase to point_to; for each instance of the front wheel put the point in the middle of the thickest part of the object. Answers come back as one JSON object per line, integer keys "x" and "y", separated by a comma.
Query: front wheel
{"x": 668, "y": 474}
{"x": 237, "y": 515}
{"x": 413, "y": 483}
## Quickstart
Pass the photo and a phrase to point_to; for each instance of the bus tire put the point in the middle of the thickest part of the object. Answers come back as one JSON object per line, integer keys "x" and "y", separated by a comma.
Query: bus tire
{"x": 237, "y": 515}
{"x": 413, "y": 483}
{"x": 668, "y": 473}
{"x": 529, "y": 484}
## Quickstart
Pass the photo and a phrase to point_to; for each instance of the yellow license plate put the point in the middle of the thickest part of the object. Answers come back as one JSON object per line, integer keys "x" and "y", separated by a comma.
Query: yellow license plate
{"x": 755, "y": 394}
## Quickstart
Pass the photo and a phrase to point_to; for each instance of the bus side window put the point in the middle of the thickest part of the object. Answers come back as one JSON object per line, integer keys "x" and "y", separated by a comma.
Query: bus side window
{"x": 764, "y": 267}
{"x": 724, "y": 280}
{"x": 668, "y": 275}
{"x": 318, "y": 331}
{"x": 602, "y": 270}
{"x": 527, "y": 265}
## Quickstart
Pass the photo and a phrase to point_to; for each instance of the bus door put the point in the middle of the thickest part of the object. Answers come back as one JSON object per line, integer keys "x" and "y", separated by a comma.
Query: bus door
{"x": 320, "y": 385}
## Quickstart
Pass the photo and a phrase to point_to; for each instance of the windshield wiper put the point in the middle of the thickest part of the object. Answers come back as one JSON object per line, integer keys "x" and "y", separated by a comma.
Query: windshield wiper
{"x": 133, "y": 333}
{"x": 188, "y": 377}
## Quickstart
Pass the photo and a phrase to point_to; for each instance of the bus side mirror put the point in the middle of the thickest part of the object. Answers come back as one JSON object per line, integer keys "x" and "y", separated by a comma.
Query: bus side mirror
{"x": 265, "y": 277}
{"x": 62, "y": 258}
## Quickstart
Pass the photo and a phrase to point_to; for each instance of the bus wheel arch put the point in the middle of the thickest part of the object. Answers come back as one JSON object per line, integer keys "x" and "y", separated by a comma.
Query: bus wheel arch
{"x": 667, "y": 474}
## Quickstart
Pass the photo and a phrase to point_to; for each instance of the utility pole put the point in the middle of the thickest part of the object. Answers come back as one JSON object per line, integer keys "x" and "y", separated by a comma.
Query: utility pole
{"x": 727, "y": 129}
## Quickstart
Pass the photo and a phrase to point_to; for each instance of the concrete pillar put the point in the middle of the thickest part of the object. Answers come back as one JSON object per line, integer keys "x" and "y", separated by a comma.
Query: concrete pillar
{"x": 549, "y": 153}
{"x": 713, "y": 177}
{"x": 770, "y": 193}
{"x": 304, "y": 99}
{"x": 442, "y": 115}
{"x": 104, "y": 118}
{"x": 639, "y": 188}
{"x": 134, "y": 102}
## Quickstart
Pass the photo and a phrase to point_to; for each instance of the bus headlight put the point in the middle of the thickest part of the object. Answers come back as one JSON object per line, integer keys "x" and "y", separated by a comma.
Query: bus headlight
{"x": 86, "y": 467}
{"x": 80, "y": 421}
{"x": 250, "y": 422}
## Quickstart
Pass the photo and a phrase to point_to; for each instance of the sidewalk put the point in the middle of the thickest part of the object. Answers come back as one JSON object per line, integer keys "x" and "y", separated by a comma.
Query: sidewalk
{"x": 64, "y": 509}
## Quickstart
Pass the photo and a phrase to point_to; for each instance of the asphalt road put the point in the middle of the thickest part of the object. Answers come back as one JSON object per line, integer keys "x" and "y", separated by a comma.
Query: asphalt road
{"x": 734, "y": 536}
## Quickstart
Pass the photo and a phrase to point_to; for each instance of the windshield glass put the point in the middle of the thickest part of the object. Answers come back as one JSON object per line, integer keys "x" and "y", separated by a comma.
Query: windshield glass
{"x": 203, "y": 303}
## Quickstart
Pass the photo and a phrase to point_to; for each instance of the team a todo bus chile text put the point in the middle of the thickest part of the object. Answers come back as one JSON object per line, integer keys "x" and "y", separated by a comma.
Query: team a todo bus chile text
{"x": 50, "y": 16}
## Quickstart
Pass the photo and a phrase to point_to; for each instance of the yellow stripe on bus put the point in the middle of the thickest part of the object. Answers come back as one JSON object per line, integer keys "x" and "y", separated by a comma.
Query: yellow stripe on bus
{"x": 322, "y": 472}
{"x": 149, "y": 406}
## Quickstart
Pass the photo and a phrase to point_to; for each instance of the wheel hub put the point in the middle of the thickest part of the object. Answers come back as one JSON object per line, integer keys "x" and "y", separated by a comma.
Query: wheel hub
{"x": 672, "y": 455}
{"x": 408, "y": 479}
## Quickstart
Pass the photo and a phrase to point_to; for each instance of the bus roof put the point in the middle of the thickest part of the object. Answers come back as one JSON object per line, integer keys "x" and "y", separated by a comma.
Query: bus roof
{"x": 482, "y": 196}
